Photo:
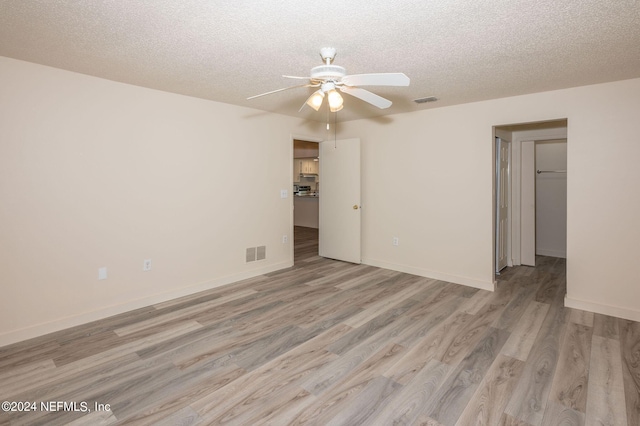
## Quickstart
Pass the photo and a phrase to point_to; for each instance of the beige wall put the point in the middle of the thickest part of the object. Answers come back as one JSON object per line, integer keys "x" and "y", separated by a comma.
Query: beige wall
{"x": 96, "y": 173}
{"x": 427, "y": 179}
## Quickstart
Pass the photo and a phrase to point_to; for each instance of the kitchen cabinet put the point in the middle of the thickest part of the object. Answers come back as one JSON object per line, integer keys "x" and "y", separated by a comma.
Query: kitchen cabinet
{"x": 314, "y": 167}
{"x": 297, "y": 169}
{"x": 306, "y": 166}
{"x": 309, "y": 166}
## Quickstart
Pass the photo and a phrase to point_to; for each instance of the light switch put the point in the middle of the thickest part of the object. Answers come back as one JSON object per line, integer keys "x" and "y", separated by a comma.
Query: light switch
{"x": 284, "y": 193}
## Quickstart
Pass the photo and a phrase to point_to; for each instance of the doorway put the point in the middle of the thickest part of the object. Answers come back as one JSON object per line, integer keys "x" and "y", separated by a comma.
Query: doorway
{"x": 306, "y": 198}
{"x": 521, "y": 247}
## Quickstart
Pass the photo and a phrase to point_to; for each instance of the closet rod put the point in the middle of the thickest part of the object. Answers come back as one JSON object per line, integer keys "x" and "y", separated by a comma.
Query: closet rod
{"x": 550, "y": 171}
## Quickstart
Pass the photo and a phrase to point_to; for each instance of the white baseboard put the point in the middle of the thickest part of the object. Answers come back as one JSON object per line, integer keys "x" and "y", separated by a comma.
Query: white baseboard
{"x": 470, "y": 282}
{"x": 551, "y": 252}
{"x": 15, "y": 336}
{"x": 599, "y": 308}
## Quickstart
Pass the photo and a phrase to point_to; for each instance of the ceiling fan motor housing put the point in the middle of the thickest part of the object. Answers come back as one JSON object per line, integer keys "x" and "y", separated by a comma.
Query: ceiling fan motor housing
{"x": 328, "y": 72}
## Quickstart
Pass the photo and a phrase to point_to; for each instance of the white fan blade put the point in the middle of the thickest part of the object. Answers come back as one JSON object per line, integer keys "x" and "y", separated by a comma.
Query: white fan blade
{"x": 305, "y": 103}
{"x": 280, "y": 90}
{"x": 296, "y": 77}
{"x": 380, "y": 79}
{"x": 367, "y": 96}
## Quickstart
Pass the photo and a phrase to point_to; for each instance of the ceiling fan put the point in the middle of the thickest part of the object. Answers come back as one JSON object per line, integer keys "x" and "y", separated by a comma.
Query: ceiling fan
{"x": 330, "y": 78}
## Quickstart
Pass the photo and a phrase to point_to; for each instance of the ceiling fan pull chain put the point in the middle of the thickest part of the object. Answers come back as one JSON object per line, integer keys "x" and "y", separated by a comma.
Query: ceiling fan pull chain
{"x": 329, "y": 134}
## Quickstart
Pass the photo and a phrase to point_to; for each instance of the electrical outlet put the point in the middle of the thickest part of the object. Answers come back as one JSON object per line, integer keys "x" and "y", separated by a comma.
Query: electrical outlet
{"x": 285, "y": 239}
{"x": 396, "y": 241}
{"x": 146, "y": 265}
{"x": 102, "y": 273}
{"x": 284, "y": 193}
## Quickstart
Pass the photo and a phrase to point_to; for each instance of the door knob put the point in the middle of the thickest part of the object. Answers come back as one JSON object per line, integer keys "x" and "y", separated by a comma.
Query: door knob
{"x": 355, "y": 207}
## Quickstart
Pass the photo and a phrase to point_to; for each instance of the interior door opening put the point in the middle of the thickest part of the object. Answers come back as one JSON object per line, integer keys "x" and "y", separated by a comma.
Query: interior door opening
{"x": 539, "y": 146}
{"x": 306, "y": 198}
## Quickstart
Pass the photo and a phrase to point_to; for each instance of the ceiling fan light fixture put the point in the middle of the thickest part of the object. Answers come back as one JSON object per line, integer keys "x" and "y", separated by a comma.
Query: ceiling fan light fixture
{"x": 335, "y": 101}
{"x": 315, "y": 100}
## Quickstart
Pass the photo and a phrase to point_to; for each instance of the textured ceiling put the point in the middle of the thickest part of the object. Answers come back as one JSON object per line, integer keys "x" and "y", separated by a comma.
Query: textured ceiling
{"x": 457, "y": 50}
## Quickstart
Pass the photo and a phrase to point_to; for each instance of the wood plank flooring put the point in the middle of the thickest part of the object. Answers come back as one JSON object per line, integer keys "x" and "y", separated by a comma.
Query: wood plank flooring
{"x": 332, "y": 343}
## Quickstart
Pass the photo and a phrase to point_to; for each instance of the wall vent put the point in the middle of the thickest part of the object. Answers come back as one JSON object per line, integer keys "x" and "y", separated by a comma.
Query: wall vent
{"x": 425, "y": 100}
{"x": 261, "y": 253}
{"x": 256, "y": 253}
{"x": 251, "y": 254}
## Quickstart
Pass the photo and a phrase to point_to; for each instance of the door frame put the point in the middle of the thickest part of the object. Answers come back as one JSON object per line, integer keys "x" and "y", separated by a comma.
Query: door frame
{"x": 518, "y": 133}
{"x": 527, "y": 228}
{"x": 497, "y": 147}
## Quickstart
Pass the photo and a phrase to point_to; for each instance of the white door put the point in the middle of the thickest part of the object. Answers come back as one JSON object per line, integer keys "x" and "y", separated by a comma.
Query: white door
{"x": 502, "y": 202}
{"x": 339, "y": 230}
{"x": 528, "y": 204}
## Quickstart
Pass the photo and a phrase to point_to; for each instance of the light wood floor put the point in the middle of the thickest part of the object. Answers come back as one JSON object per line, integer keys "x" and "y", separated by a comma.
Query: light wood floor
{"x": 331, "y": 343}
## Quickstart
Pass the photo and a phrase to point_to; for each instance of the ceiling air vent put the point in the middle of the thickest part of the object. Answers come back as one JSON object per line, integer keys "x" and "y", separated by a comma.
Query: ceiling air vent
{"x": 425, "y": 100}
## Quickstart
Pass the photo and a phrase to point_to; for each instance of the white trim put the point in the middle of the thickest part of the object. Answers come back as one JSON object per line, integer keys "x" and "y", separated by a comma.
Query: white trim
{"x": 526, "y": 250}
{"x": 599, "y": 308}
{"x": 498, "y": 142}
{"x": 551, "y": 252}
{"x": 455, "y": 279}
{"x": 15, "y": 336}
